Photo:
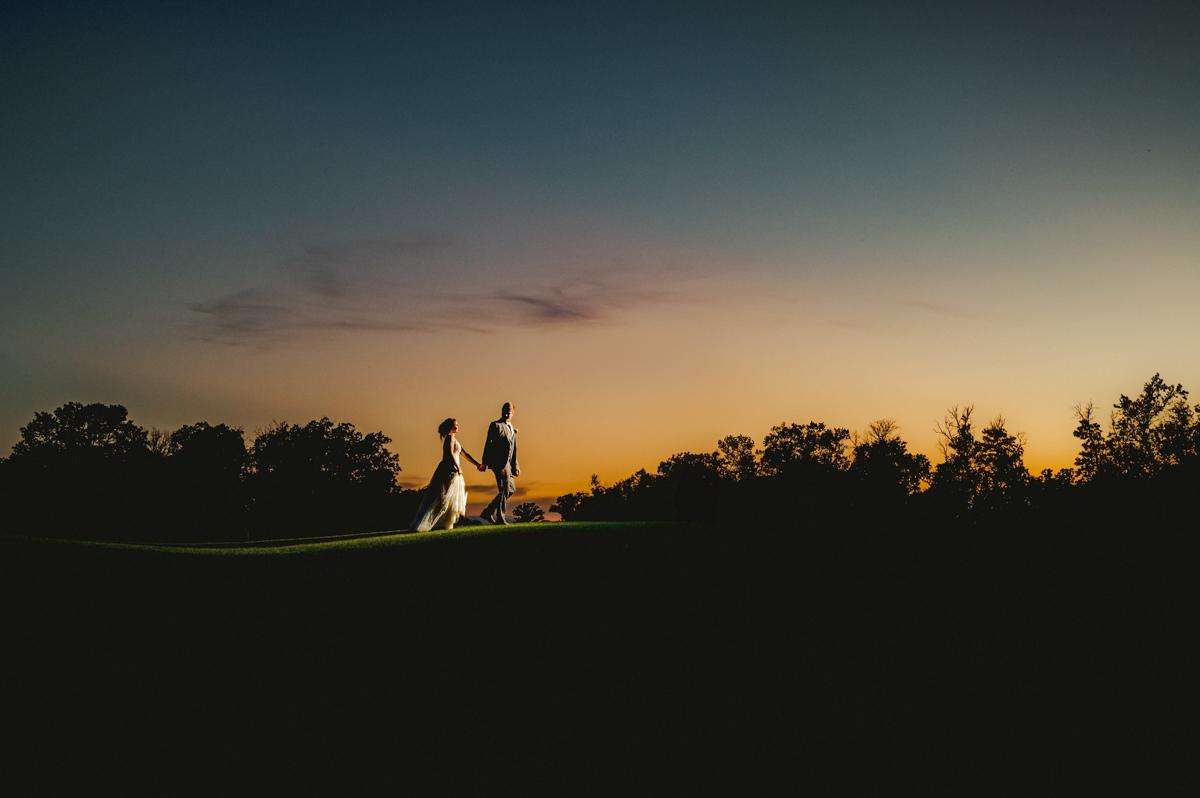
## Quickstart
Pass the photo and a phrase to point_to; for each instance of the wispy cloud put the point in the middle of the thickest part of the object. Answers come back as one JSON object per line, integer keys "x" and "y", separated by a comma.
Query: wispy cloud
{"x": 241, "y": 315}
{"x": 398, "y": 286}
{"x": 254, "y": 316}
{"x": 549, "y": 309}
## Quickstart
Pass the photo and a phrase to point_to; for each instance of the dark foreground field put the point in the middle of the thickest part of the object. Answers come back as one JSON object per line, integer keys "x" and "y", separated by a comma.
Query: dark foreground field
{"x": 643, "y": 658}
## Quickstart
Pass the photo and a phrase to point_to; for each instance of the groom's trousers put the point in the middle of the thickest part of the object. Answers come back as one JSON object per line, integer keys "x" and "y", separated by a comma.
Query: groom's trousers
{"x": 506, "y": 485}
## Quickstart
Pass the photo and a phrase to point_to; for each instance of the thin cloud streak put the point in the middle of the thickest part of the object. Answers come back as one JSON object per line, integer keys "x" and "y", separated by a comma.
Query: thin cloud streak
{"x": 354, "y": 288}
{"x": 549, "y": 309}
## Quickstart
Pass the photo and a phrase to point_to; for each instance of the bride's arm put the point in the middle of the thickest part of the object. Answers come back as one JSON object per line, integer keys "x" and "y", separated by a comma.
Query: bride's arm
{"x": 467, "y": 455}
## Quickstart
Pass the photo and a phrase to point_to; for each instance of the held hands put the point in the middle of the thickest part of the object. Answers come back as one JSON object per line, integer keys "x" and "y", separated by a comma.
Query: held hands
{"x": 482, "y": 467}
{"x": 517, "y": 473}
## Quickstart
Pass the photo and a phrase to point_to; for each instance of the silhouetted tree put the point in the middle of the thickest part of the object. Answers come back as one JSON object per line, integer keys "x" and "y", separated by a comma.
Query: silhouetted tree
{"x": 631, "y": 498}
{"x": 956, "y": 480}
{"x": 204, "y": 449}
{"x": 1093, "y": 460}
{"x": 804, "y": 447}
{"x": 1003, "y": 480}
{"x": 207, "y": 468}
{"x": 984, "y": 474}
{"x": 736, "y": 457}
{"x": 76, "y": 429}
{"x": 1147, "y": 433}
{"x": 1151, "y": 431}
{"x": 691, "y": 484}
{"x": 323, "y": 478}
{"x": 884, "y": 467}
{"x": 159, "y": 443}
{"x": 84, "y": 471}
{"x": 570, "y": 506}
{"x": 528, "y": 513}
{"x": 637, "y": 497}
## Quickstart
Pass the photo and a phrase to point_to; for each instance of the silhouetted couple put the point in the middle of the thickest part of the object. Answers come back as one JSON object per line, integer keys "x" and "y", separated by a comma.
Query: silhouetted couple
{"x": 444, "y": 501}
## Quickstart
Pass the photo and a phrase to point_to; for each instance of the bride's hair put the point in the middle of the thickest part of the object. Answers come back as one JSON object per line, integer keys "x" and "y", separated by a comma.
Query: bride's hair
{"x": 445, "y": 427}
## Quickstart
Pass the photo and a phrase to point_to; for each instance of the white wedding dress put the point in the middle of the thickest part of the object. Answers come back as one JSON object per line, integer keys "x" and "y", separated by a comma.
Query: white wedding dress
{"x": 444, "y": 500}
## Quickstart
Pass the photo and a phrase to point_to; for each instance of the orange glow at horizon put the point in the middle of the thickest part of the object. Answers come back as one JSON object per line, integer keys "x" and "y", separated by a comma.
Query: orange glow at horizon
{"x": 615, "y": 395}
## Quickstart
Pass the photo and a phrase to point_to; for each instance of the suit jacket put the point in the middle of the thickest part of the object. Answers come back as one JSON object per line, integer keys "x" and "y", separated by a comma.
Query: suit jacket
{"x": 501, "y": 447}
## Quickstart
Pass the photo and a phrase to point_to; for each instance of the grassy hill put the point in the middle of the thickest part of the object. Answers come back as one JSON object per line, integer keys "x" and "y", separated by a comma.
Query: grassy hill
{"x": 374, "y": 541}
{"x": 569, "y": 655}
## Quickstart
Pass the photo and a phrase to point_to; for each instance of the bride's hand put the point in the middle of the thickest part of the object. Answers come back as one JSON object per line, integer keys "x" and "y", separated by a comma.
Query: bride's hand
{"x": 482, "y": 467}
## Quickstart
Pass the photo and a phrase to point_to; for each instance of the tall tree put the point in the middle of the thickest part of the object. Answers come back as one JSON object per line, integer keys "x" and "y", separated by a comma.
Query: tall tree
{"x": 1093, "y": 460}
{"x": 956, "y": 480}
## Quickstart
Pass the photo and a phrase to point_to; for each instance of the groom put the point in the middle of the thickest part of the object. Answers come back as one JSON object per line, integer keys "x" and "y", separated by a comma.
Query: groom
{"x": 500, "y": 455}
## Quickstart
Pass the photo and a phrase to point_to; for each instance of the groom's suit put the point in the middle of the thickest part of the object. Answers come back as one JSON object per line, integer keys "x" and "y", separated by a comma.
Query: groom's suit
{"x": 500, "y": 455}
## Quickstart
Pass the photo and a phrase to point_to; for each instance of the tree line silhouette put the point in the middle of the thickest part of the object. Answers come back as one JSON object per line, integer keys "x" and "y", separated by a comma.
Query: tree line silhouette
{"x": 89, "y": 472}
{"x": 809, "y": 474}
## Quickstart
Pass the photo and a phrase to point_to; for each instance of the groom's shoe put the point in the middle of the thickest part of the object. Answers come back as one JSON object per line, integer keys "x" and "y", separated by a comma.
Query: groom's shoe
{"x": 488, "y": 519}
{"x": 500, "y": 519}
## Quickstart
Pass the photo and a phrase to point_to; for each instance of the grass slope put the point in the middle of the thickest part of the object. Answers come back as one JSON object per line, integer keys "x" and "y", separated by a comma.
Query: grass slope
{"x": 570, "y": 657}
{"x": 315, "y": 545}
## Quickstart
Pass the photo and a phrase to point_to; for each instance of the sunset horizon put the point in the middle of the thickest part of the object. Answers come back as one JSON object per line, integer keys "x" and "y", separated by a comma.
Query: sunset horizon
{"x": 616, "y": 465}
{"x": 649, "y": 228}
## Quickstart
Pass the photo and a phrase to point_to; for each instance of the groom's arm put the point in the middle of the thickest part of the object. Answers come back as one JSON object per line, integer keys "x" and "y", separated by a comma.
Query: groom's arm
{"x": 516, "y": 469}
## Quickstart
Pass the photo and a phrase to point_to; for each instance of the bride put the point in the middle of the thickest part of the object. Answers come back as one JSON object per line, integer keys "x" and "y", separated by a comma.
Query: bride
{"x": 444, "y": 501}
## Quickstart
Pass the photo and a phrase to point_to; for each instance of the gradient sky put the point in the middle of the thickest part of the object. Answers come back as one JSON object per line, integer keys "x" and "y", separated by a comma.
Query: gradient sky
{"x": 647, "y": 227}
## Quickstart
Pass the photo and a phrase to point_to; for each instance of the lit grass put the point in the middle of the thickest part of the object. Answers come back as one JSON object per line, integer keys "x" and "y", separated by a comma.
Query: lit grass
{"x": 354, "y": 542}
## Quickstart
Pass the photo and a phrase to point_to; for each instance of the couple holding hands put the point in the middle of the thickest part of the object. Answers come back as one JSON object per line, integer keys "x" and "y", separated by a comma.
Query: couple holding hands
{"x": 444, "y": 501}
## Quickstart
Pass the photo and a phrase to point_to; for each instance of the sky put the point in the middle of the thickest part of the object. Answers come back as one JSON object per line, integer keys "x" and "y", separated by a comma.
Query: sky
{"x": 647, "y": 225}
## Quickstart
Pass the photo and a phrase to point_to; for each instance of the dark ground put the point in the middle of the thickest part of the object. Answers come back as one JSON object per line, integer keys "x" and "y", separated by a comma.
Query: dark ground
{"x": 641, "y": 660}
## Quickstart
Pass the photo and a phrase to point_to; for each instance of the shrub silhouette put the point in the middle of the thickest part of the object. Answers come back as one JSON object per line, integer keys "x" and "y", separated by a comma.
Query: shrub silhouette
{"x": 528, "y": 512}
